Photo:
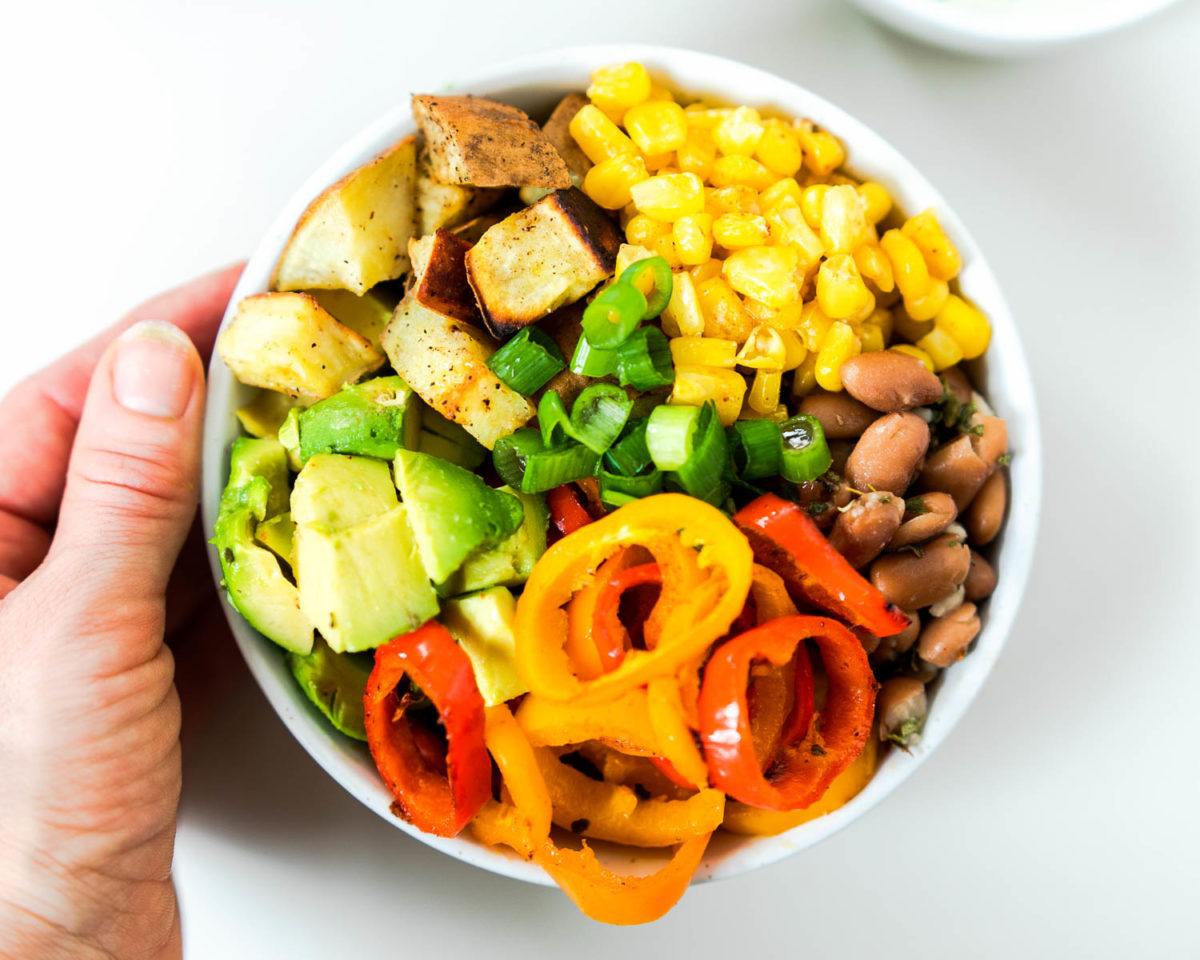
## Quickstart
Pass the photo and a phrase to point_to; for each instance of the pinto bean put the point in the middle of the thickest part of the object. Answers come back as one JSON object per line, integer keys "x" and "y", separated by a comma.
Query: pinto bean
{"x": 962, "y": 465}
{"x": 981, "y": 578}
{"x": 956, "y": 379}
{"x": 887, "y": 649}
{"x": 888, "y": 454}
{"x": 986, "y": 513}
{"x": 945, "y": 639}
{"x": 901, "y": 707}
{"x": 840, "y": 451}
{"x": 842, "y": 417}
{"x": 925, "y": 516}
{"x": 915, "y": 580}
{"x": 863, "y": 529}
{"x": 889, "y": 382}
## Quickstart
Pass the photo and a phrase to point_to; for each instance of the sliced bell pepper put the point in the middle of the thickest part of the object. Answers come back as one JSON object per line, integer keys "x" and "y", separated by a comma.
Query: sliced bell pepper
{"x": 434, "y": 801}
{"x": 519, "y": 769}
{"x": 788, "y": 542}
{"x": 608, "y": 633}
{"x": 680, "y": 758}
{"x": 801, "y": 771}
{"x": 623, "y": 723}
{"x": 566, "y": 512}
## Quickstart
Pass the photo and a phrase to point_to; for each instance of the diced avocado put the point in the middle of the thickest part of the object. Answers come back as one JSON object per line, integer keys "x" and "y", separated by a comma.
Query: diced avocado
{"x": 366, "y": 315}
{"x": 482, "y": 623}
{"x": 446, "y": 439}
{"x": 359, "y": 571}
{"x": 452, "y": 511}
{"x": 372, "y": 419}
{"x": 335, "y": 683}
{"x": 257, "y": 588}
{"x": 264, "y": 415}
{"x": 289, "y": 436}
{"x": 278, "y": 534}
{"x": 509, "y": 562}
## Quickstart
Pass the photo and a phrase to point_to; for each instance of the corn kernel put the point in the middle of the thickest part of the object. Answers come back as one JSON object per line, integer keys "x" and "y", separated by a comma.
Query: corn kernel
{"x": 739, "y": 169}
{"x": 598, "y": 137}
{"x": 794, "y": 350}
{"x": 838, "y": 346}
{"x": 737, "y": 230}
{"x": 783, "y": 187}
{"x": 682, "y": 316}
{"x": 877, "y": 202}
{"x": 874, "y": 265}
{"x": 764, "y": 349}
{"x": 669, "y": 196}
{"x": 804, "y": 379}
{"x": 813, "y": 326}
{"x": 724, "y": 315}
{"x": 822, "y": 152}
{"x": 910, "y": 351}
{"x": 609, "y": 183}
{"x": 706, "y": 271}
{"x": 779, "y": 149}
{"x": 641, "y": 229}
{"x": 882, "y": 318}
{"x": 628, "y": 254}
{"x": 697, "y": 153}
{"x": 942, "y": 348}
{"x": 739, "y": 133}
{"x": 928, "y": 306}
{"x": 788, "y": 227}
{"x": 810, "y": 204}
{"x": 719, "y": 200}
{"x": 842, "y": 221}
{"x": 660, "y": 162}
{"x": 788, "y": 318}
{"x": 758, "y": 311}
{"x": 656, "y": 126}
{"x": 694, "y": 238}
{"x": 841, "y": 291}
{"x": 700, "y": 114}
{"x": 695, "y": 385}
{"x": 765, "y": 273}
{"x": 870, "y": 335}
{"x": 703, "y": 352}
{"x": 659, "y": 92}
{"x": 616, "y": 88}
{"x": 941, "y": 256}
{"x": 967, "y": 325}
{"x": 779, "y": 414}
{"x": 664, "y": 247}
{"x": 908, "y": 264}
{"x": 909, "y": 329}
{"x": 764, "y": 391}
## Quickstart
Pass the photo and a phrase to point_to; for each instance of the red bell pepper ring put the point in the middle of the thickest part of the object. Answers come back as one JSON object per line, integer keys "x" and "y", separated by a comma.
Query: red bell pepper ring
{"x": 436, "y": 799}
{"x": 566, "y": 512}
{"x": 801, "y": 717}
{"x": 802, "y": 771}
{"x": 787, "y": 541}
{"x": 608, "y": 633}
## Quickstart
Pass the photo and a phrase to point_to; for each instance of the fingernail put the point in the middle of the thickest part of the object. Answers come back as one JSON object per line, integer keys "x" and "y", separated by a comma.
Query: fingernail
{"x": 154, "y": 371}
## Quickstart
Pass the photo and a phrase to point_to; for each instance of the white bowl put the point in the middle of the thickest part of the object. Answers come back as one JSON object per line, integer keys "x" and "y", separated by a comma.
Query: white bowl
{"x": 1032, "y": 26}
{"x": 535, "y": 83}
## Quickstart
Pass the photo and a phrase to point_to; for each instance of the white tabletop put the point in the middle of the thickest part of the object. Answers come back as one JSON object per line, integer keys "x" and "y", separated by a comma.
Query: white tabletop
{"x": 152, "y": 141}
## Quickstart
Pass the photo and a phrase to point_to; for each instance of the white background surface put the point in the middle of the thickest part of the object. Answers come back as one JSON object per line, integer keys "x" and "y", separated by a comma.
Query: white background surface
{"x": 146, "y": 142}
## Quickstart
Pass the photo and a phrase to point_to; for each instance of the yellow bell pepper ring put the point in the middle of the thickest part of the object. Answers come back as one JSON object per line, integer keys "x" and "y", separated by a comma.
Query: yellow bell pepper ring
{"x": 624, "y": 723}
{"x": 522, "y": 776}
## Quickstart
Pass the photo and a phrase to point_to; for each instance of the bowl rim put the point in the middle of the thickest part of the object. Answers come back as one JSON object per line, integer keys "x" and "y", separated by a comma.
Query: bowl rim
{"x": 546, "y": 71}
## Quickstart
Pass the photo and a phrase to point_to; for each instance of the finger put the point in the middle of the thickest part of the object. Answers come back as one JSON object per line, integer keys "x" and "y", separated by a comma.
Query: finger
{"x": 41, "y": 414}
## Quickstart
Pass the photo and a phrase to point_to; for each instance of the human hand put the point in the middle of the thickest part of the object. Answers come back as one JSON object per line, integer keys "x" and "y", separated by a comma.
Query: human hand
{"x": 99, "y": 472}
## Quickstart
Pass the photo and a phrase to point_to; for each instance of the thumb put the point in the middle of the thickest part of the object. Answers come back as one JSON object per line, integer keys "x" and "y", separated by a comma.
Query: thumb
{"x": 132, "y": 481}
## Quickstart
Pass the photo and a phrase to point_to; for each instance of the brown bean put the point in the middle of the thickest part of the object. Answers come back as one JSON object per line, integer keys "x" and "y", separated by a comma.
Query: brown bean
{"x": 961, "y": 466}
{"x": 945, "y": 639}
{"x": 863, "y": 529}
{"x": 981, "y": 578}
{"x": 888, "y": 454}
{"x": 956, "y": 379}
{"x": 916, "y": 579}
{"x": 887, "y": 649}
{"x": 842, "y": 417}
{"x": 889, "y": 381}
{"x": 992, "y": 444}
{"x": 840, "y": 451}
{"x": 925, "y": 516}
{"x": 901, "y": 707}
{"x": 986, "y": 513}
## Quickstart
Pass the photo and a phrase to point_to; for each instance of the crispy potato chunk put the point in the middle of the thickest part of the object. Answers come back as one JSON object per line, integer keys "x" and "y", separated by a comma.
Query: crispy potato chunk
{"x": 541, "y": 258}
{"x": 445, "y": 205}
{"x": 355, "y": 234}
{"x": 445, "y": 362}
{"x": 288, "y": 342}
{"x": 472, "y": 230}
{"x": 483, "y": 143}
{"x": 558, "y": 133}
{"x": 440, "y": 277}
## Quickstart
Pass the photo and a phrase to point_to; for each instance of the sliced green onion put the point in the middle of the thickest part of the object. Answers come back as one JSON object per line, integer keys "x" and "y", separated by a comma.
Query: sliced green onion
{"x": 630, "y": 456}
{"x": 702, "y": 474}
{"x": 669, "y": 435}
{"x": 553, "y": 420}
{"x": 552, "y": 468}
{"x": 591, "y": 361}
{"x": 511, "y": 453}
{"x": 528, "y": 361}
{"x": 644, "y": 360}
{"x": 613, "y": 315}
{"x": 805, "y": 453}
{"x": 598, "y": 416}
{"x": 657, "y": 272}
{"x": 756, "y": 448}
{"x": 623, "y": 489}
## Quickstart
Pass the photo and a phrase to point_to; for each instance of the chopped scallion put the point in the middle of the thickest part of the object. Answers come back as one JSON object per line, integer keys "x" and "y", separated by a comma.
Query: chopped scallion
{"x": 613, "y": 315}
{"x": 669, "y": 435}
{"x": 630, "y": 456}
{"x": 591, "y": 361}
{"x": 528, "y": 361}
{"x": 805, "y": 453}
{"x": 644, "y": 360}
{"x": 757, "y": 448}
{"x": 598, "y": 415}
{"x": 702, "y": 474}
{"x": 652, "y": 277}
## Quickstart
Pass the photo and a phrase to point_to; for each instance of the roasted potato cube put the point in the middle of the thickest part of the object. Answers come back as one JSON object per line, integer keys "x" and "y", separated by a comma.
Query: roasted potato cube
{"x": 366, "y": 315}
{"x": 445, "y": 362}
{"x": 557, "y": 132}
{"x": 472, "y": 230}
{"x": 483, "y": 143}
{"x": 288, "y": 342}
{"x": 540, "y": 258}
{"x": 445, "y": 205}
{"x": 440, "y": 277}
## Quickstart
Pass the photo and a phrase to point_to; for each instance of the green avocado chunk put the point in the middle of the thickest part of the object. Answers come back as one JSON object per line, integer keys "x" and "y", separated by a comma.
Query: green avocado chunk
{"x": 372, "y": 419}
{"x": 446, "y": 439}
{"x": 264, "y": 415}
{"x": 335, "y": 683}
{"x": 482, "y": 623}
{"x": 359, "y": 570}
{"x": 509, "y": 562}
{"x": 257, "y": 491}
{"x": 452, "y": 511}
{"x": 289, "y": 436}
{"x": 278, "y": 534}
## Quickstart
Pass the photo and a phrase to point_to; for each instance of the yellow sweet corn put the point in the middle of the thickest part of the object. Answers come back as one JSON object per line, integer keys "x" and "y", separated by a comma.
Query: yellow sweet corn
{"x": 841, "y": 291}
{"x": 941, "y": 256}
{"x": 703, "y": 352}
{"x": 764, "y": 391}
{"x": 967, "y": 325}
{"x": 695, "y": 385}
{"x": 697, "y": 153}
{"x": 882, "y": 318}
{"x": 656, "y": 126}
{"x": 788, "y": 318}
{"x": 843, "y": 223}
{"x": 779, "y": 149}
{"x": 942, "y": 348}
{"x": 788, "y": 227}
{"x": 910, "y": 351}
{"x": 874, "y": 265}
{"x": 660, "y": 92}
{"x": 794, "y": 350}
{"x": 628, "y": 254}
{"x": 664, "y": 247}
{"x": 682, "y": 315}
{"x": 660, "y": 162}
{"x": 870, "y": 335}
{"x": 700, "y": 114}
{"x": 813, "y": 326}
{"x": 598, "y": 137}
{"x": 877, "y": 202}
{"x": 739, "y": 169}
{"x": 694, "y": 238}
{"x": 765, "y": 273}
{"x": 908, "y": 264}
{"x": 758, "y": 311}
{"x": 737, "y": 230}
{"x": 928, "y": 306}
{"x": 783, "y": 187}
{"x": 610, "y": 182}
{"x": 838, "y": 346}
{"x": 764, "y": 349}
{"x": 669, "y": 196}
{"x": 724, "y": 315}
{"x": 804, "y": 379}
{"x": 739, "y": 133}
{"x": 642, "y": 229}
{"x": 706, "y": 271}
{"x": 810, "y": 204}
{"x": 736, "y": 199}
{"x": 909, "y": 329}
{"x": 616, "y": 88}
{"x": 779, "y": 414}
{"x": 822, "y": 152}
